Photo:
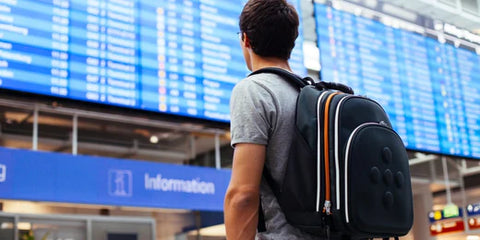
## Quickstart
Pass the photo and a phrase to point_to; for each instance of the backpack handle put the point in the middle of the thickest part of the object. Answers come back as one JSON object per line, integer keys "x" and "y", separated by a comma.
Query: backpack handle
{"x": 336, "y": 86}
{"x": 299, "y": 82}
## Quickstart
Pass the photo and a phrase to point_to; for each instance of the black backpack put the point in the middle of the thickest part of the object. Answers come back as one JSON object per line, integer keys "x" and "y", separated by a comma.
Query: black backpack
{"x": 347, "y": 174}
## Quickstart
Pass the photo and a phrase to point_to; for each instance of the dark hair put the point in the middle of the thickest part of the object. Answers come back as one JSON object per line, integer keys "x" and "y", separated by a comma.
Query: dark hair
{"x": 271, "y": 26}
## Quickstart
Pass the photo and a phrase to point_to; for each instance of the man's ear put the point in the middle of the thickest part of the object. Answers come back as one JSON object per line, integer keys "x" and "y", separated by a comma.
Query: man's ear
{"x": 246, "y": 41}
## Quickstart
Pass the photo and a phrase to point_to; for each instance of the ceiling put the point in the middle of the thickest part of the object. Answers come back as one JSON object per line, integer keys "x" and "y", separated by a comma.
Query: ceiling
{"x": 462, "y": 13}
{"x": 108, "y": 132}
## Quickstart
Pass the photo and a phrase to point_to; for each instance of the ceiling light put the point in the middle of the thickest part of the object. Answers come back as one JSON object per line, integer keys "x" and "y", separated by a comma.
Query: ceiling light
{"x": 24, "y": 226}
{"x": 6, "y": 225}
{"x": 154, "y": 139}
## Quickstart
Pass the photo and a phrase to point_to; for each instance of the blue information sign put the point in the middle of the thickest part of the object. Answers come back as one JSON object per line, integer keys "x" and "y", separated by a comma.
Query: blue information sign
{"x": 53, "y": 177}
{"x": 177, "y": 57}
{"x": 429, "y": 89}
{"x": 473, "y": 209}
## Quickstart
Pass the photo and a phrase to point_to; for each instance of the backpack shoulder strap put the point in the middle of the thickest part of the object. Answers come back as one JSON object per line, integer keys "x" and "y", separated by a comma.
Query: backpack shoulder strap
{"x": 293, "y": 79}
{"x": 299, "y": 82}
{"x": 261, "y": 226}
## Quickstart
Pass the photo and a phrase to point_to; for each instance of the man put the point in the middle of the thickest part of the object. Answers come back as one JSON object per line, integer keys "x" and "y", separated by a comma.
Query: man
{"x": 262, "y": 125}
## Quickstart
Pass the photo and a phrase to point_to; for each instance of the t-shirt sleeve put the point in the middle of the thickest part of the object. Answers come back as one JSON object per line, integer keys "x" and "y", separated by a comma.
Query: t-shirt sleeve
{"x": 252, "y": 111}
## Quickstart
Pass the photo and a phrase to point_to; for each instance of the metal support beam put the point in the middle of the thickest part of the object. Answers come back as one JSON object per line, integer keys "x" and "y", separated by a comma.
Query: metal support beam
{"x": 35, "y": 128}
{"x": 171, "y": 156}
{"x": 15, "y": 227}
{"x": 89, "y": 229}
{"x": 471, "y": 171}
{"x": 447, "y": 180}
{"x": 198, "y": 224}
{"x": 113, "y": 117}
{"x": 154, "y": 230}
{"x": 421, "y": 158}
{"x": 464, "y": 199}
{"x": 456, "y": 164}
{"x": 433, "y": 173}
{"x": 218, "y": 164}
{"x": 193, "y": 147}
{"x": 420, "y": 180}
{"x": 75, "y": 135}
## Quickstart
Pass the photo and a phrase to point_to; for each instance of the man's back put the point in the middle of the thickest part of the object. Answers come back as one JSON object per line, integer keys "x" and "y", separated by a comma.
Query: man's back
{"x": 263, "y": 112}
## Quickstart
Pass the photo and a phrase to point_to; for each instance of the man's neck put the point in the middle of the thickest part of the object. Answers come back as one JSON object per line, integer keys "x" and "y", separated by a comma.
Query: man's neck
{"x": 263, "y": 62}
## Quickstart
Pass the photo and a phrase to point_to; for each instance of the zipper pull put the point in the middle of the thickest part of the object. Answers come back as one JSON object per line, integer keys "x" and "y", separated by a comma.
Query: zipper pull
{"x": 327, "y": 207}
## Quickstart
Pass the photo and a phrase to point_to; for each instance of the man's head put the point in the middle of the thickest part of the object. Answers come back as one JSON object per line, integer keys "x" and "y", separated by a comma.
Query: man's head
{"x": 270, "y": 28}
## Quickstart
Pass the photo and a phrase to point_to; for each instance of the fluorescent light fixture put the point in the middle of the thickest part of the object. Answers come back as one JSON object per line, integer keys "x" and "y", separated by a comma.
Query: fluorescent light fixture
{"x": 6, "y": 225}
{"x": 24, "y": 226}
{"x": 154, "y": 139}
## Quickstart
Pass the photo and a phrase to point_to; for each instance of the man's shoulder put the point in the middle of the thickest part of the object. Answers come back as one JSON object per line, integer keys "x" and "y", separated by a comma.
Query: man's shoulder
{"x": 260, "y": 79}
{"x": 261, "y": 82}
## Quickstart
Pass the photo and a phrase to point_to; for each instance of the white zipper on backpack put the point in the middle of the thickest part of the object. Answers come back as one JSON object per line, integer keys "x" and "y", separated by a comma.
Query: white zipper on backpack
{"x": 347, "y": 151}
{"x": 319, "y": 149}
{"x": 337, "y": 157}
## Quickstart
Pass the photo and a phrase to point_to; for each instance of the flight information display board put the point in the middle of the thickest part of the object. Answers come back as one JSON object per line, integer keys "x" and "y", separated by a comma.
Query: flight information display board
{"x": 179, "y": 57}
{"x": 430, "y": 90}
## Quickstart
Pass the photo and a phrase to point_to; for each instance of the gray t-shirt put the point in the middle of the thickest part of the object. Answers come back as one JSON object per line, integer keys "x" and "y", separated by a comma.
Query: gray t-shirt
{"x": 262, "y": 112}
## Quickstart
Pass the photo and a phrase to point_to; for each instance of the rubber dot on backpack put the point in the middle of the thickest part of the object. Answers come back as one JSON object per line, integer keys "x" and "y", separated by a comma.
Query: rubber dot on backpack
{"x": 388, "y": 199}
{"x": 399, "y": 179}
{"x": 387, "y": 155}
{"x": 388, "y": 177}
{"x": 374, "y": 175}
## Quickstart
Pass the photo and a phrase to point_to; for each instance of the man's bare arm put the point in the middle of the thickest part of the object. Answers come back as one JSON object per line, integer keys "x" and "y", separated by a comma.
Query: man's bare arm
{"x": 242, "y": 198}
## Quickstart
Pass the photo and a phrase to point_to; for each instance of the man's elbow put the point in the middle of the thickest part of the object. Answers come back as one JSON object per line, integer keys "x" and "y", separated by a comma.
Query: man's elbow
{"x": 241, "y": 199}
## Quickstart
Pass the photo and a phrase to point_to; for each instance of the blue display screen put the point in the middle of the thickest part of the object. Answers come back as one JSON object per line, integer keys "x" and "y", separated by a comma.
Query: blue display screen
{"x": 176, "y": 57}
{"x": 429, "y": 89}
